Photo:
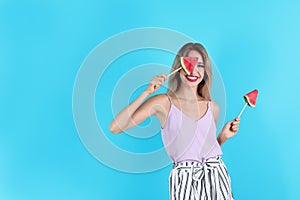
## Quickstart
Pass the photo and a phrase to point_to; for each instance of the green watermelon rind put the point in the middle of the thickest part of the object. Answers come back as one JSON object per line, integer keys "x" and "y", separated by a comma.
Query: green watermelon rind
{"x": 183, "y": 66}
{"x": 248, "y": 101}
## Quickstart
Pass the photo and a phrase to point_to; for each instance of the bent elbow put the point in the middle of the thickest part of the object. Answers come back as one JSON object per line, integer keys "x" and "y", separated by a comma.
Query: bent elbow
{"x": 113, "y": 128}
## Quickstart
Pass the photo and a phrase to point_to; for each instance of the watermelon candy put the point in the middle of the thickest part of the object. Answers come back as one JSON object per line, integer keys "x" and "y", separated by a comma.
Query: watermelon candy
{"x": 188, "y": 64}
{"x": 250, "y": 98}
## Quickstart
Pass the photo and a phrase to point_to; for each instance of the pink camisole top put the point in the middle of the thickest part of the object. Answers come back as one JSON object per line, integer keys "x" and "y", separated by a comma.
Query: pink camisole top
{"x": 188, "y": 140}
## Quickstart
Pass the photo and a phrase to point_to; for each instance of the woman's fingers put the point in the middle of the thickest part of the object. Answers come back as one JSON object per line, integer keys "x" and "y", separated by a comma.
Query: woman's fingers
{"x": 236, "y": 121}
{"x": 234, "y": 129}
{"x": 159, "y": 80}
{"x": 235, "y": 125}
{"x": 156, "y": 82}
{"x": 163, "y": 76}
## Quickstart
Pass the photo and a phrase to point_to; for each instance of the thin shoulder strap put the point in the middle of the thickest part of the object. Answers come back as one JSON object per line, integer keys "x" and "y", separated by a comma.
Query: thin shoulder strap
{"x": 169, "y": 98}
{"x": 209, "y": 104}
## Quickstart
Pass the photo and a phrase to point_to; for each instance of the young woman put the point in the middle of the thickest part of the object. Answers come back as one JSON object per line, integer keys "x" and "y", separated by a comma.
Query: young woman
{"x": 188, "y": 118}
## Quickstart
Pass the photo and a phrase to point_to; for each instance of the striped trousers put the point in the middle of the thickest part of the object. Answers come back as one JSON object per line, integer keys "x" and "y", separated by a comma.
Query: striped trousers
{"x": 191, "y": 180}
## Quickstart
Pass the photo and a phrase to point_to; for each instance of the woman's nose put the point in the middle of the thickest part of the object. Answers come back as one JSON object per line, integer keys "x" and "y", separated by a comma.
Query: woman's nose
{"x": 195, "y": 70}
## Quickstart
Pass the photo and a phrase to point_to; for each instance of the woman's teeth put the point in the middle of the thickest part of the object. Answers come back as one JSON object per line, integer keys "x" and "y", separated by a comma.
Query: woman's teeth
{"x": 192, "y": 78}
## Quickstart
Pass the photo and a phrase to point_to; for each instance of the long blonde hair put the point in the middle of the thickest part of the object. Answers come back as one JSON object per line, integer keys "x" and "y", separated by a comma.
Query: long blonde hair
{"x": 205, "y": 85}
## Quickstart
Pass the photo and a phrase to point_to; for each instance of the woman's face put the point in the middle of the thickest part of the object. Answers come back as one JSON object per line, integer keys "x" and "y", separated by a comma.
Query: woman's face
{"x": 197, "y": 74}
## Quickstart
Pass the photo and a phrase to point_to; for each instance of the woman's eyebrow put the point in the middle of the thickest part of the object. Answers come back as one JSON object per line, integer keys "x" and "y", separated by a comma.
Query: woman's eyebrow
{"x": 200, "y": 63}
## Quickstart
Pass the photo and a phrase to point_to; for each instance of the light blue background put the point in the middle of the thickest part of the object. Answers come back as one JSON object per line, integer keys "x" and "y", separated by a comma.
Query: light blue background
{"x": 255, "y": 44}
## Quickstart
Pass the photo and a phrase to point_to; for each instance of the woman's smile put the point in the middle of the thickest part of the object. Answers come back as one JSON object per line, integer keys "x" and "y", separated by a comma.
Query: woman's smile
{"x": 191, "y": 78}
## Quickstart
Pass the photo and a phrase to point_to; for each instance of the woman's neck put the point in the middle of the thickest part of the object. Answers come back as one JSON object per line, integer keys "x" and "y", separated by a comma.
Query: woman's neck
{"x": 188, "y": 94}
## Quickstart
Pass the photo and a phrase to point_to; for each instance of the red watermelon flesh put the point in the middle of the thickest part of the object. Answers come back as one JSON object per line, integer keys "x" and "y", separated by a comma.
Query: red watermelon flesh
{"x": 188, "y": 64}
{"x": 250, "y": 98}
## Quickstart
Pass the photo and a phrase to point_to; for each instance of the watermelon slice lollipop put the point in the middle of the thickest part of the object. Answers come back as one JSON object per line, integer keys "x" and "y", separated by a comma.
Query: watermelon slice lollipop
{"x": 187, "y": 64}
{"x": 250, "y": 100}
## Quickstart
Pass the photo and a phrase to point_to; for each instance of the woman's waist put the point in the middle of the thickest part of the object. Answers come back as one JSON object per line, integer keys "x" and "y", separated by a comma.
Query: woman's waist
{"x": 198, "y": 154}
{"x": 211, "y": 161}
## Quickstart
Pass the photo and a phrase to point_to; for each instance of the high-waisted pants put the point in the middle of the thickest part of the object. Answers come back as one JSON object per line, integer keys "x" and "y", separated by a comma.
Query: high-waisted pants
{"x": 192, "y": 180}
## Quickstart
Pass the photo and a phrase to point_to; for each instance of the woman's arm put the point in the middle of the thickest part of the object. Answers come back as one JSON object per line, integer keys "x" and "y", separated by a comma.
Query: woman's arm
{"x": 121, "y": 121}
{"x": 230, "y": 128}
{"x": 221, "y": 139}
{"x": 137, "y": 111}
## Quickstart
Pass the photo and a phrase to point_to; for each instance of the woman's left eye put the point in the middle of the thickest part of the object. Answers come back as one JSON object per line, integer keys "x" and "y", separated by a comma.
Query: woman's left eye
{"x": 200, "y": 66}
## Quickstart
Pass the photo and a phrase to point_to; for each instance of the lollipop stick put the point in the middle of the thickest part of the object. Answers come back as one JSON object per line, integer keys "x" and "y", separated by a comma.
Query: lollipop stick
{"x": 173, "y": 72}
{"x": 242, "y": 110}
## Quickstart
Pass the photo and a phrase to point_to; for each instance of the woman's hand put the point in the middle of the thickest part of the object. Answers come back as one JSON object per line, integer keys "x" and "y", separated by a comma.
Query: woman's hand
{"x": 229, "y": 130}
{"x": 155, "y": 83}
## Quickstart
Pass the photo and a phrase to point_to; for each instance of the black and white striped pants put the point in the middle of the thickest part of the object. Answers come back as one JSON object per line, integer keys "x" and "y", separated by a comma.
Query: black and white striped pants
{"x": 191, "y": 180}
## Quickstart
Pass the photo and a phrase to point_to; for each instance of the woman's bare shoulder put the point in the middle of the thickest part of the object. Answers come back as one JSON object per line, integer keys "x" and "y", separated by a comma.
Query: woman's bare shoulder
{"x": 161, "y": 102}
{"x": 215, "y": 109}
{"x": 214, "y": 104}
{"x": 161, "y": 98}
